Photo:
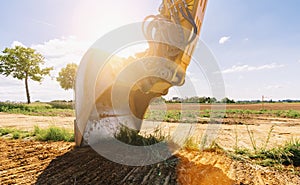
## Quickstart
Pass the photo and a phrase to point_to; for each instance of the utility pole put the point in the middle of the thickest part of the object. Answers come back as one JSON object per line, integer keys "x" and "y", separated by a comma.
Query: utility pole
{"x": 262, "y": 102}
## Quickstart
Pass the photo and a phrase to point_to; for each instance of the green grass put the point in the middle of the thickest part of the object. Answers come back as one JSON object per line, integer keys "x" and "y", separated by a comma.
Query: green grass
{"x": 53, "y": 134}
{"x": 50, "y": 134}
{"x": 201, "y": 144}
{"x": 292, "y": 114}
{"x": 58, "y": 108}
{"x": 16, "y": 134}
{"x": 191, "y": 116}
{"x": 191, "y": 144}
{"x": 133, "y": 137}
{"x": 287, "y": 154}
{"x": 39, "y": 109}
{"x": 61, "y": 105}
{"x": 167, "y": 116}
{"x": 277, "y": 113}
{"x": 184, "y": 116}
{"x": 5, "y": 131}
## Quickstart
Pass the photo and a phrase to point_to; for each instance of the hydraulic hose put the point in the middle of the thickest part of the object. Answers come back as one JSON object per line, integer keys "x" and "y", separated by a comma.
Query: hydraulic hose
{"x": 163, "y": 33}
{"x": 190, "y": 19}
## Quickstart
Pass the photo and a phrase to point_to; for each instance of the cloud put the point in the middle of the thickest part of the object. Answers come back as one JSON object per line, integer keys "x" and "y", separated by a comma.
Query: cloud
{"x": 246, "y": 39}
{"x": 59, "y": 52}
{"x": 60, "y": 47}
{"x": 17, "y": 43}
{"x": 224, "y": 39}
{"x": 246, "y": 68}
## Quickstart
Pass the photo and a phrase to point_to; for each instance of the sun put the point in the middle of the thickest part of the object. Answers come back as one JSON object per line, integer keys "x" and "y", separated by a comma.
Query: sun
{"x": 93, "y": 18}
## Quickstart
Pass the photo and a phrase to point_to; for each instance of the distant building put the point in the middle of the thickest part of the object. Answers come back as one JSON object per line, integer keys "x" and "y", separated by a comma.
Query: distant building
{"x": 176, "y": 99}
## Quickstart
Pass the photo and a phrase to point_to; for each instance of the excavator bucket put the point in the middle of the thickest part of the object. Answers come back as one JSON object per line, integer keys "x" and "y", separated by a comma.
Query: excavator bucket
{"x": 111, "y": 91}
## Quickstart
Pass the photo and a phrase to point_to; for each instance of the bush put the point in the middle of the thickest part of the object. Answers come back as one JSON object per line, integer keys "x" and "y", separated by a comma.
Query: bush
{"x": 61, "y": 105}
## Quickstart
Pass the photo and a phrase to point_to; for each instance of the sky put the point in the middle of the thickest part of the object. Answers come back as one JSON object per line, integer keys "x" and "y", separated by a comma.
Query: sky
{"x": 256, "y": 43}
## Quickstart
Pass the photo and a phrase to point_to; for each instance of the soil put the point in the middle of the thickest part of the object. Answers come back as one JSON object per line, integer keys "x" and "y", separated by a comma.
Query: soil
{"x": 266, "y": 131}
{"x": 25, "y": 122}
{"x": 202, "y": 168}
{"x": 32, "y": 162}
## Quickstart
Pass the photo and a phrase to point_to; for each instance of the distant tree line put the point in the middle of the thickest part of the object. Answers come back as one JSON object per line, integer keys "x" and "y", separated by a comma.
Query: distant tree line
{"x": 209, "y": 100}
{"x": 197, "y": 99}
{"x": 267, "y": 101}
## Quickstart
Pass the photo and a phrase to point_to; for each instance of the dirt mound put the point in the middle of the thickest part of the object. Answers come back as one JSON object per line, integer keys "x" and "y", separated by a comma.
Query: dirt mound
{"x": 31, "y": 162}
{"x": 201, "y": 168}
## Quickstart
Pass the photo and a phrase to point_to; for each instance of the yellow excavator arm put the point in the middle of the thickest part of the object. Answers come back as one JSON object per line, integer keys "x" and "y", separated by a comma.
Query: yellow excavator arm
{"x": 102, "y": 104}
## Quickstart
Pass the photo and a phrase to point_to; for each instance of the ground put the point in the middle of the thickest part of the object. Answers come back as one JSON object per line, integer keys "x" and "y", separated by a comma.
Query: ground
{"x": 25, "y": 122}
{"x": 33, "y": 162}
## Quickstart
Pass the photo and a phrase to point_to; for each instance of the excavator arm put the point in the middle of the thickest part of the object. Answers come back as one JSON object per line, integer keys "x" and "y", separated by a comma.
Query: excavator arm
{"x": 105, "y": 100}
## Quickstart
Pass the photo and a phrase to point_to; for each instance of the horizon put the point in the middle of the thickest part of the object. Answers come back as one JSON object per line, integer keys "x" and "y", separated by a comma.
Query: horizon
{"x": 172, "y": 98}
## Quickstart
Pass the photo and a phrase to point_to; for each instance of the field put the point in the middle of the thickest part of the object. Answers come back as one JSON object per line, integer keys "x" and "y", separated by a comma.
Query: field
{"x": 238, "y": 120}
{"x": 256, "y": 106}
{"x": 250, "y": 148}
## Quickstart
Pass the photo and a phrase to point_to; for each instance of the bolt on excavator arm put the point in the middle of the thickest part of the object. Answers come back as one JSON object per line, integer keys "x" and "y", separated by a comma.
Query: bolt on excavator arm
{"x": 117, "y": 95}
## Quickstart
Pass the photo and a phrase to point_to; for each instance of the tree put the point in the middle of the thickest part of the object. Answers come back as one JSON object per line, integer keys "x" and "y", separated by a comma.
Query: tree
{"x": 67, "y": 75}
{"x": 24, "y": 64}
{"x": 227, "y": 100}
{"x": 213, "y": 100}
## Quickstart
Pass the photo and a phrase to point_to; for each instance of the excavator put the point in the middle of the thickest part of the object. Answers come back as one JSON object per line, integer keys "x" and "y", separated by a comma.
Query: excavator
{"x": 117, "y": 91}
